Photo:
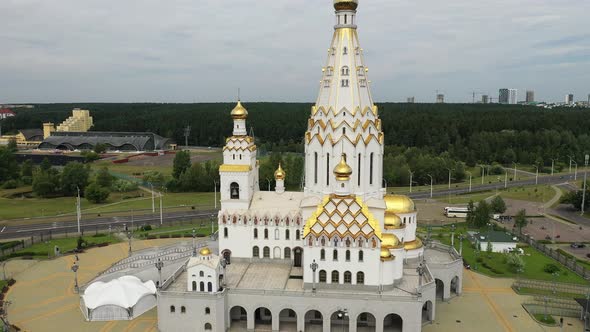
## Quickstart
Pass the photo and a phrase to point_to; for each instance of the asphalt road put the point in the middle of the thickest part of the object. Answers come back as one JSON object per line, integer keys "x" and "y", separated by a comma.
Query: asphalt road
{"x": 100, "y": 224}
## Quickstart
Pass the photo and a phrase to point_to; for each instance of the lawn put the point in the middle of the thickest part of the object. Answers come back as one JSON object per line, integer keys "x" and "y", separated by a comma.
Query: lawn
{"x": 541, "y": 193}
{"x": 497, "y": 267}
{"x": 45, "y": 248}
{"x": 14, "y": 208}
{"x": 545, "y": 319}
{"x": 184, "y": 230}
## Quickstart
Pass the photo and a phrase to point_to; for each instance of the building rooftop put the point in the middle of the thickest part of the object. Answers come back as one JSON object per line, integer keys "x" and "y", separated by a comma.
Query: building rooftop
{"x": 495, "y": 236}
{"x": 271, "y": 201}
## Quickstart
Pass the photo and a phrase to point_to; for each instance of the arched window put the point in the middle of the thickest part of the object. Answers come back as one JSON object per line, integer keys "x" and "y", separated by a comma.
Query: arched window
{"x": 266, "y": 234}
{"x": 335, "y": 277}
{"x": 234, "y": 190}
{"x": 344, "y": 83}
{"x": 322, "y": 276}
{"x": 287, "y": 235}
{"x": 335, "y": 255}
{"x": 207, "y": 310}
{"x": 348, "y": 255}
{"x": 361, "y": 256}
{"x": 330, "y": 71}
{"x": 194, "y": 286}
{"x": 371, "y": 169}
{"x": 360, "y": 278}
{"x": 345, "y": 71}
{"x": 172, "y": 309}
{"x": 255, "y": 233}
{"x": 287, "y": 252}
{"x": 201, "y": 274}
{"x": 345, "y": 49}
{"x": 209, "y": 287}
{"x": 359, "y": 170}
{"x": 277, "y": 235}
{"x": 322, "y": 254}
{"x": 202, "y": 286}
{"x": 328, "y": 169}
{"x": 225, "y": 232}
{"x": 255, "y": 252}
{"x": 208, "y": 327}
{"x": 297, "y": 234}
{"x": 347, "y": 277}
{"x": 315, "y": 167}
{"x": 183, "y": 310}
{"x": 266, "y": 252}
{"x": 343, "y": 131}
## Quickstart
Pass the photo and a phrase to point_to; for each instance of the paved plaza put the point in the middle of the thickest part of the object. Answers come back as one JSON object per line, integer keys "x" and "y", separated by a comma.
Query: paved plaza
{"x": 43, "y": 298}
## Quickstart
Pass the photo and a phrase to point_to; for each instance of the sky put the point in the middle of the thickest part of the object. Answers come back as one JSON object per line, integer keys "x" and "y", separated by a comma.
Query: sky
{"x": 273, "y": 50}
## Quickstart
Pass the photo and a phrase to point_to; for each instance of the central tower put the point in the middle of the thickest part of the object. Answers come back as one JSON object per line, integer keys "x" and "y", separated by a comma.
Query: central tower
{"x": 344, "y": 120}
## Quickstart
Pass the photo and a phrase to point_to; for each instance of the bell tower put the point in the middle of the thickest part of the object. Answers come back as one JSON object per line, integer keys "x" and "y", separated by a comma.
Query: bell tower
{"x": 239, "y": 172}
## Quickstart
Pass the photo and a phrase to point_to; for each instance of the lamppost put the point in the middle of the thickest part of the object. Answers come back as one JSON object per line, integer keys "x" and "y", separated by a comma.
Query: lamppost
{"x": 429, "y": 231}
{"x": 159, "y": 266}
{"x": 536, "y": 175}
{"x": 215, "y": 193}
{"x": 453, "y": 235}
{"x": 75, "y": 270}
{"x": 553, "y": 164}
{"x": 194, "y": 246}
{"x": 153, "y": 201}
{"x": 460, "y": 244}
{"x": 4, "y": 269}
{"x": 545, "y": 301}
{"x": 476, "y": 254}
{"x": 268, "y": 180}
{"x": 450, "y": 172}
{"x": 514, "y": 171}
{"x": 555, "y": 276}
{"x": 212, "y": 228}
{"x": 584, "y": 190}
{"x": 314, "y": 267}
{"x": 483, "y": 172}
{"x": 411, "y": 175}
{"x": 576, "y": 170}
{"x": 161, "y": 212}
{"x": 468, "y": 172}
{"x": 129, "y": 237}
{"x": 571, "y": 158}
{"x": 519, "y": 270}
{"x": 431, "y": 182}
{"x": 505, "y": 179}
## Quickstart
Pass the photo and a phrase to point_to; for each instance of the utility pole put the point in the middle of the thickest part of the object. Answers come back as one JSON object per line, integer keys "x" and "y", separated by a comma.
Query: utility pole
{"x": 161, "y": 213}
{"x": 215, "y": 193}
{"x": 411, "y": 175}
{"x": 187, "y": 133}
{"x": 78, "y": 210}
{"x": 536, "y": 175}
{"x": 552, "y": 165}
{"x": 584, "y": 190}
{"x": 514, "y": 172}
{"x": 483, "y": 173}
{"x": 469, "y": 180}
{"x": 153, "y": 202}
{"x": 505, "y": 179}
{"x": 431, "y": 182}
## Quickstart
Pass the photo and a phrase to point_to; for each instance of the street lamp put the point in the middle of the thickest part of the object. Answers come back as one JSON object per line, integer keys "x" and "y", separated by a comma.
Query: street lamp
{"x": 431, "y": 182}
{"x": 536, "y": 175}
{"x": 215, "y": 193}
{"x": 571, "y": 158}
{"x": 468, "y": 172}
{"x": 584, "y": 190}
{"x": 194, "y": 247}
{"x": 411, "y": 175}
{"x": 553, "y": 164}
{"x": 460, "y": 244}
{"x": 75, "y": 270}
{"x": 555, "y": 276}
{"x": 268, "y": 180}
{"x": 576, "y": 170}
{"x": 483, "y": 172}
{"x": 4, "y": 269}
{"x": 450, "y": 172}
{"x": 129, "y": 237}
{"x": 453, "y": 235}
{"x": 159, "y": 266}
{"x": 514, "y": 171}
{"x": 314, "y": 267}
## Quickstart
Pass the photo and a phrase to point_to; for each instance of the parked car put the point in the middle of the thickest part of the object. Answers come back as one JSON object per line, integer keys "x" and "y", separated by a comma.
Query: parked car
{"x": 466, "y": 265}
{"x": 577, "y": 245}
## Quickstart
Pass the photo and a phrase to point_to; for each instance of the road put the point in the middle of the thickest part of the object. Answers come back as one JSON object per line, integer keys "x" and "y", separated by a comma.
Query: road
{"x": 92, "y": 225}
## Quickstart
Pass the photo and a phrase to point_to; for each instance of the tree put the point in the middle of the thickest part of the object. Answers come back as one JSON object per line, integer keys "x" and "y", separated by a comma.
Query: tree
{"x": 26, "y": 168}
{"x": 575, "y": 198}
{"x": 482, "y": 214}
{"x": 8, "y": 165}
{"x": 12, "y": 144}
{"x": 182, "y": 162}
{"x": 153, "y": 177}
{"x": 96, "y": 194}
{"x": 104, "y": 178}
{"x": 45, "y": 165}
{"x": 489, "y": 248}
{"x": 520, "y": 220}
{"x": 515, "y": 262}
{"x": 470, "y": 213}
{"x": 74, "y": 176}
{"x": 46, "y": 183}
{"x": 498, "y": 205}
{"x": 100, "y": 148}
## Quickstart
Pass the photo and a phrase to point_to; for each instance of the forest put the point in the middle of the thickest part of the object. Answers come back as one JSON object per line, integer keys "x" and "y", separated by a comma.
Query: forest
{"x": 415, "y": 134}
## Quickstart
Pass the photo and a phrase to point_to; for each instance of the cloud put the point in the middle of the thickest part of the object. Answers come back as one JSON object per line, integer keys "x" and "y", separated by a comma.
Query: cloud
{"x": 186, "y": 50}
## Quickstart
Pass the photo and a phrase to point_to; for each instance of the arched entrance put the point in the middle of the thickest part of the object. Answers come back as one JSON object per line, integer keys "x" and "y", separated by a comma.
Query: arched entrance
{"x": 366, "y": 322}
{"x": 238, "y": 318}
{"x": 314, "y": 321}
{"x": 287, "y": 320}
{"x": 298, "y": 257}
{"x": 263, "y": 319}
{"x": 226, "y": 254}
{"x": 339, "y": 321}
{"x": 440, "y": 289}
{"x": 276, "y": 253}
{"x": 427, "y": 312}
{"x": 455, "y": 286}
{"x": 393, "y": 323}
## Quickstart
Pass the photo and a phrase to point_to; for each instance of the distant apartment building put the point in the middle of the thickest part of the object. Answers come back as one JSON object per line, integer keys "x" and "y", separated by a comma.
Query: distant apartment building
{"x": 410, "y": 100}
{"x": 440, "y": 98}
{"x": 6, "y": 113}
{"x": 569, "y": 99}
{"x": 485, "y": 99}
{"x": 530, "y": 96}
{"x": 508, "y": 96}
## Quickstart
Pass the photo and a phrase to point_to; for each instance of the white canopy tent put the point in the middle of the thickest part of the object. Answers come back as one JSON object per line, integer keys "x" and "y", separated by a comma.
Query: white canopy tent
{"x": 119, "y": 299}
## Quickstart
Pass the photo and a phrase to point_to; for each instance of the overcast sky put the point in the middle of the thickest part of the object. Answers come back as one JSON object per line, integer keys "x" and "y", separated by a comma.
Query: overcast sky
{"x": 204, "y": 50}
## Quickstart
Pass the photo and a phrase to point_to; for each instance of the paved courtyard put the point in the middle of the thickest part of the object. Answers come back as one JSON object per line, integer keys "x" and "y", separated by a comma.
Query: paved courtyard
{"x": 44, "y": 300}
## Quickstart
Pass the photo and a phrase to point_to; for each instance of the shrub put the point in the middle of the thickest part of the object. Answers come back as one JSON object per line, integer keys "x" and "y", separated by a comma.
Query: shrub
{"x": 10, "y": 184}
{"x": 145, "y": 228}
{"x": 551, "y": 268}
{"x": 479, "y": 259}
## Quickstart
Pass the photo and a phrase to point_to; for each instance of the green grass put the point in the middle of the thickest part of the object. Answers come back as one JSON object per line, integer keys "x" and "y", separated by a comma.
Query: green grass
{"x": 464, "y": 199}
{"x": 185, "y": 230}
{"x": 43, "y": 207}
{"x": 541, "y": 193}
{"x": 497, "y": 267}
{"x": 584, "y": 263}
{"x": 45, "y": 248}
{"x": 541, "y": 318}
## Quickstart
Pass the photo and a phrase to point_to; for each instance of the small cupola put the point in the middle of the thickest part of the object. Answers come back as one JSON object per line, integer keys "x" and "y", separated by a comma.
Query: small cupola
{"x": 239, "y": 115}
{"x": 280, "y": 180}
{"x": 342, "y": 172}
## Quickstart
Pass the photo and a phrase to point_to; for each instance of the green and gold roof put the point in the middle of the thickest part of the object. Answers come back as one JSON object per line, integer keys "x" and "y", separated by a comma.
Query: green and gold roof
{"x": 342, "y": 216}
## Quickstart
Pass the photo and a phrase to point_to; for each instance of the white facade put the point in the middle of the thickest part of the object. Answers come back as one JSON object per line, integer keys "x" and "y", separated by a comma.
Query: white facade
{"x": 203, "y": 273}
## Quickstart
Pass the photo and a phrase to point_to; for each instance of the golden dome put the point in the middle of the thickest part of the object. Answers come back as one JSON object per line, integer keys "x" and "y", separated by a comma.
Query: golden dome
{"x": 346, "y": 4}
{"x": 416, "y": 244}
{"x": 205, "y": 251}
{"x": 239, "y": 112}
{"x": 279, "y": 173}
{"x": 399, "y": 204}
{"x": 390, "y": 241}
{"x": 393, "y": 221}
{"x": 386, "y": 255}
{"x": 342, "y": 170}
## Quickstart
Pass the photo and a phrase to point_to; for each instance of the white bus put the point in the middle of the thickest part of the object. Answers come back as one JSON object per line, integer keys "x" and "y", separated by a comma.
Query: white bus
{"x": 456, "y": 212}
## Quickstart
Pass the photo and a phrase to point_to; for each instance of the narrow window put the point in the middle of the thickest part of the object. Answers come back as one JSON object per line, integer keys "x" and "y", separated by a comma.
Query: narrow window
{"x": 172, "y": 309}
{"x": 202, "y": 286}
{"x": 371, "y": 169}
{"x": 359, "y": 171}
{"x": 361, "y": 256}
{"x": 347, "y": 277}
{"x": 201, "y": 274}
{"x": 315, "y": 167}
{"x": 183, "y": 310}
{"x": 335, "y": 277}
{"x": 328, "y": 170}
{"x": 234, "y": 190}
{"x": 266, "y": 252}
{"x": 323, "y": 255}
{"x": 323, "y": 276}
{"x": 287, "y": 252}
{"x": 225, "y": 232}
{"x": 348, "y": 255}
{"x": 345, "y": 19}
{"x": 277, "y": 236}
{"x": 360, "y": 278}
{"x": 209, "y": 287}
{"x": 255, "y": 233}
{"x": 194, "y": 286}
{"x": 255, "y": 252}
{"x": 335, "y": 254}
{"x": 343, "y": 131}
{"x": 345, "y": 50}
{"x": 208, "y": 327}
{"x": 266, "y": 234}
{"x": 287, "y": 235}
{"x": 207, "y": 311}
{"x": 297, "y": 235}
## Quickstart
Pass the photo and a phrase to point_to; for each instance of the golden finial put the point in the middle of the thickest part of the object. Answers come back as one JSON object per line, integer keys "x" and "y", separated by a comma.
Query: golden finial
{"x": 279, "y": 173}
{"x": 342, "y": 170}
